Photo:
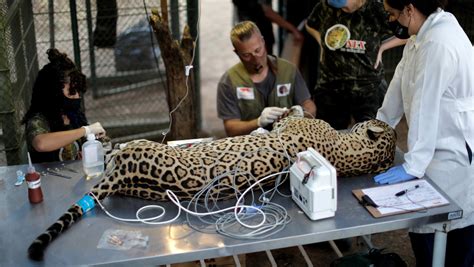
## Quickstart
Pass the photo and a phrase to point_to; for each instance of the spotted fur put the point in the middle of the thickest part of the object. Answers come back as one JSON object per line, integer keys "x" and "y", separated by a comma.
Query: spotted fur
{"x": 146, "y": 169}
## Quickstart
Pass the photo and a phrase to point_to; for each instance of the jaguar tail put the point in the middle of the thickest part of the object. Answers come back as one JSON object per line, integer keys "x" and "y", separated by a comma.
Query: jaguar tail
{"x": 39, "y": 245}
{"x": 72, "y": 215}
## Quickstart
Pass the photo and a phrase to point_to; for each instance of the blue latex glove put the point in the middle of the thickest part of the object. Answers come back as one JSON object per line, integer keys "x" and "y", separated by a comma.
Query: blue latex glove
{"x": 393, "y": 175}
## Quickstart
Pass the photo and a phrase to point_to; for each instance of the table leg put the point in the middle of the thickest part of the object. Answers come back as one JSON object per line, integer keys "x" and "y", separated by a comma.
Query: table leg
{"x": 236, "y": 260}
{"x": 270, "y": 258}
{"x": 335, "y": 248}
{"x": 305, "y": 256}
{"x": 439, "y": 249}
{"x": 368, "y": 241}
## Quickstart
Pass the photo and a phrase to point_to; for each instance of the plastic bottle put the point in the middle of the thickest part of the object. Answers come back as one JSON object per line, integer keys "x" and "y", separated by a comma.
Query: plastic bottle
{"x": 35, "y": 194}
{"x": 92, "y": 157}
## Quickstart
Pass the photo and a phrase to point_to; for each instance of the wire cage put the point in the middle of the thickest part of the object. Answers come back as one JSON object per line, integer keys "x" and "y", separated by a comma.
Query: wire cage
{"x": 113, "y": 44}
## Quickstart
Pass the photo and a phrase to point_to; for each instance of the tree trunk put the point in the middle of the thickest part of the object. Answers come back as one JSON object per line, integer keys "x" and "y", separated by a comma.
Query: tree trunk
{"x": 180, "y": 90}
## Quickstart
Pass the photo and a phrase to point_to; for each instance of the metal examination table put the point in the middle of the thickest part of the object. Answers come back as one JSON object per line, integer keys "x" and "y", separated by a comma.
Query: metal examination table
{"x": 21, "y": 222}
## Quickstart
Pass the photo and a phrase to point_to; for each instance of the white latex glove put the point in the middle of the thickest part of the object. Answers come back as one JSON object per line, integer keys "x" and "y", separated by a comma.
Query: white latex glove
{"x": 269, "y": 115}
{"x": 297, "y": 111}
{"x": 95, "y": 128}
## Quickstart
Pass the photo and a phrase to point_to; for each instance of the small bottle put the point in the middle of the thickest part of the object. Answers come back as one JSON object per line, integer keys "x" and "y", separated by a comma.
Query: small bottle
{"x": 92, "y": 157}
{"x": 35, "y": 194}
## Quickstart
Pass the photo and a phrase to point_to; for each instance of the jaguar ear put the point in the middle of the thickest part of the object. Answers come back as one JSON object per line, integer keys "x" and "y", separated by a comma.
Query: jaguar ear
{"x": 374, "y": 132}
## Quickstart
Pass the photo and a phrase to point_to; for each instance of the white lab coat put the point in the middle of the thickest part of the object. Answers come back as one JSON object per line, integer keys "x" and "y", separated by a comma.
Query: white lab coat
{"x": 433, "y": 86}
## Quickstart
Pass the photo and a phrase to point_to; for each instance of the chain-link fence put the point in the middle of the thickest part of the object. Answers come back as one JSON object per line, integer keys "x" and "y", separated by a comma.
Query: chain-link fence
{"x": 18, "y": 67}
{"x": 113, "y": 44}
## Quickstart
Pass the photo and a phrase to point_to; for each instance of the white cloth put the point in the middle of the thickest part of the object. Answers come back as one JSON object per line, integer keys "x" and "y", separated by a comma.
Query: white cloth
{"x": 259, "y": 130}
{"x": 433, "y": 86}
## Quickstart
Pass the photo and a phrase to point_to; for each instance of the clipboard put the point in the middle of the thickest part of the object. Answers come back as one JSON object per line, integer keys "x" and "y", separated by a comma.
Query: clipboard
{"x": 386, "y": 200}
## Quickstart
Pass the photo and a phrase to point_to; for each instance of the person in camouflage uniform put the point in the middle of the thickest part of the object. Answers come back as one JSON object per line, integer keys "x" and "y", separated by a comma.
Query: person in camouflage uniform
{"x": 38, "y": 124}
{"x": 350, "y": 36}
{"x": 55, "y": 122}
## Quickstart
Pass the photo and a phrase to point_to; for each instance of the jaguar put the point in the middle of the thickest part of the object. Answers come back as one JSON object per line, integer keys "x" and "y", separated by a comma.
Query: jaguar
{"x": 147, "y": 169}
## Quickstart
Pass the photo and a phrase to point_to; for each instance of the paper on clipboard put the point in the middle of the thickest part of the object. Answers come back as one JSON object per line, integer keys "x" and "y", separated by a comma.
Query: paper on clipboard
{"x": 423, "y": 197}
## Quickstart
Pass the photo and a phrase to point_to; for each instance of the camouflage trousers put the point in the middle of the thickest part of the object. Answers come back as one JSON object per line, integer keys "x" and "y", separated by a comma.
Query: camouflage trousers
{"x": 338, "y": 103}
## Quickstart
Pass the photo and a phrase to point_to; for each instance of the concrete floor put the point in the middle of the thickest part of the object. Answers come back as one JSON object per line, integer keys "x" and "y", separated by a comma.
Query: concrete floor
{"x": 216, "y": 57}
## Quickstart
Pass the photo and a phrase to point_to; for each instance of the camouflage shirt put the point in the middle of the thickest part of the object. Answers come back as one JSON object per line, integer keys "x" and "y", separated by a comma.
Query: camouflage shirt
{"x": 350, "y": 41}
{"x": 38, "y": 124}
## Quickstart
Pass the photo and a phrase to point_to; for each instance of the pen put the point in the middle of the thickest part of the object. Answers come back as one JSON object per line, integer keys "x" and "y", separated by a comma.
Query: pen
{"x": 403, "y": 192}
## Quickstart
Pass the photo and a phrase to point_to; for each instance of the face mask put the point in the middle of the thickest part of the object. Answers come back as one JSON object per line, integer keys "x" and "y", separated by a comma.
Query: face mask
{"x": 71, "y": 104}
{"x": 399, "y": 30}
{"x": 337, "y": 3}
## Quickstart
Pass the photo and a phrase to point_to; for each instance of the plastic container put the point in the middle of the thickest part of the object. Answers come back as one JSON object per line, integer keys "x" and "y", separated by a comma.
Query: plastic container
{"x": 92, "y": 157}
{"x": 35, "y": 194}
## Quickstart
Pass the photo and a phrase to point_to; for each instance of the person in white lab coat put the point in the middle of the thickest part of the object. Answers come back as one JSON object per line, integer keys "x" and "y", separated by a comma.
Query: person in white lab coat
{"x": 433, "y": 86}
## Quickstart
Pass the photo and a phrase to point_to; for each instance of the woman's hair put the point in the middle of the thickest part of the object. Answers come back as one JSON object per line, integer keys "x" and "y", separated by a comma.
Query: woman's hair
{"x": 47, "y": 97}
{"x": 426, "y": 7}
